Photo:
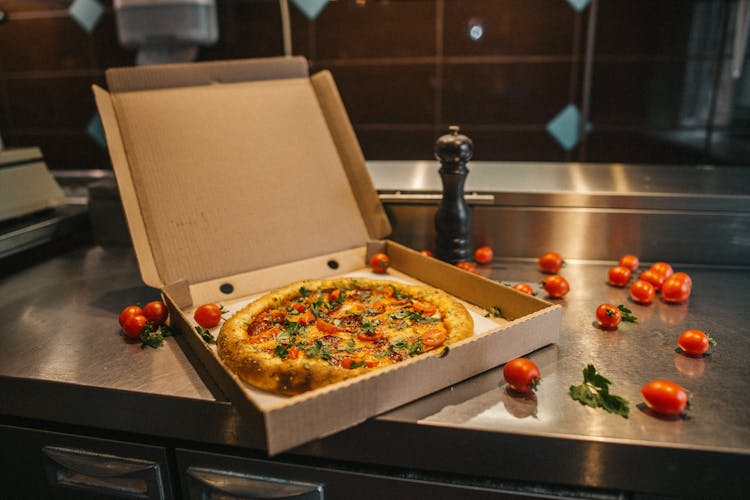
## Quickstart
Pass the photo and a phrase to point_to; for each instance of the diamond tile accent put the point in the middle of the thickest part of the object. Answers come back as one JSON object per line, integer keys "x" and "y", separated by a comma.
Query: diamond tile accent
{"x": 565, "y": 127}
{"x": 86, "y": 13}
{"x": 95, "y": 130}
{"x": 310, "y": 8}
{"x": 578, "y": 5}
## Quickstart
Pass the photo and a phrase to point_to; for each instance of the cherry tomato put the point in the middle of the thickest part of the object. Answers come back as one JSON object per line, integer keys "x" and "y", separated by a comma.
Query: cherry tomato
{"x": 522, "y": 375}
{"x": 326, "y": 327}
{"x": 484, "y": 254}
{"x": 134, "y": 325}
{"x": 208, "y": 315}
{"x": 467, "y": 266}
{"x": 380, "y": 263}
{"x": 683, "y": 277}
{"x": 525, "y": 288}
{"x": 665, "y": 397}
{"x": 292, "y": 352}
{"x": 662, "y": 268}
{"x": 370, "y": 336}
{"x": 127, "y": 312}
{"x": 427, "y": 253}
{"x": 306, "y": 318}
{"x": 675, "y": 289}
{"x": 346, "y": 363}
{"x": 618, "y": 276}
{"x": 434, "y": 337}
{"x": 609, "y": 316}
{"x": 550, "y": 262}
{"x": 694, "y": 342}
{"x": 155, "y": 312}
{"x": 642, "y": 292}
{"x": 424, "y": 307}
{"x": 653, "y": 277}
{"x": 556, "y": 286}
{"x": 630, "y": 261}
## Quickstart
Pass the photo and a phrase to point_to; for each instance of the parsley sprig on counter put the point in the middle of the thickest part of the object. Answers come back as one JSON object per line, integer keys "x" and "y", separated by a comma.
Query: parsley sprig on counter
{"x": 594, "y": 392}
{"x": 154, "y": 338}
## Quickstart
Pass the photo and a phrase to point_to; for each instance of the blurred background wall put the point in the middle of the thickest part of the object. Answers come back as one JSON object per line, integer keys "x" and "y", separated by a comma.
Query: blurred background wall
{"x": 651, "y": 79}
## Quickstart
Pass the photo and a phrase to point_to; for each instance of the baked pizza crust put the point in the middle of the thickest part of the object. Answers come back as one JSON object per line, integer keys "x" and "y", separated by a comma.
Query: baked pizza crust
{"x": 293, "y": 376}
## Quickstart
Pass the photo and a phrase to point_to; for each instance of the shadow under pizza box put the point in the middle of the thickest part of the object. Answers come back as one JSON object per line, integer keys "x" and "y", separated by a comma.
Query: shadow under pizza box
{"x": 239, "y": 177}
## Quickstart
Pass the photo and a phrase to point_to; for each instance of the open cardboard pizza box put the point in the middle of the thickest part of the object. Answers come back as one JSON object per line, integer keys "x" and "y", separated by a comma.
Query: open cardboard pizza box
{"x": 239, "y": 177}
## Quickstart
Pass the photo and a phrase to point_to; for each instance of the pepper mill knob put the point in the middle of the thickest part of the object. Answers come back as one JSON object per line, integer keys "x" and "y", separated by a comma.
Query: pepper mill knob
{"x": 454, "y": 147}
{"x": 453, "y": 225}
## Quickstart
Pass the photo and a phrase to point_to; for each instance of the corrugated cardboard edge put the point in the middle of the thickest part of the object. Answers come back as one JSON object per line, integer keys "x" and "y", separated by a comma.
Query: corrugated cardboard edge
{"x": 188, "y": 74}
{"x": 128, "y": 194}
{"x": 297, "y": 420}
{"x": 334, "y": 111}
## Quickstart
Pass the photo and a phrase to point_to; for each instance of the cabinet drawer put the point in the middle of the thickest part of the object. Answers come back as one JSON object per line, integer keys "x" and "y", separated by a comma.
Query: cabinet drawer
{"x": 43, "y": 464}
{"x": 219, "y": 476}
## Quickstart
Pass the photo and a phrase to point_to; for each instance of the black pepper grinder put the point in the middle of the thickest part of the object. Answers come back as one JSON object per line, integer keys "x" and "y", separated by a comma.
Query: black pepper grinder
{"x": 453, "y": 218}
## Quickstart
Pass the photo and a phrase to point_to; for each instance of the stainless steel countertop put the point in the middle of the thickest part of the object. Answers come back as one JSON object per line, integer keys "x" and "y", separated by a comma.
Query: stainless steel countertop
{"x": 63, "y": 359}
{"x": 611, "y": 185}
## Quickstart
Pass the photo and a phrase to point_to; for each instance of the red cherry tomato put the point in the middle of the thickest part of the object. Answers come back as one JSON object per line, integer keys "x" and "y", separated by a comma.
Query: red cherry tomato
{"x": 653, "y": 277}
{"x": 694, "y": 342}
{"x": 675, "y": 289}
{"x": 434, "y": 337}
{"x": 665, "y": 397}
{"x": 326, "y": 327}
{"x": 127, "y": 312}
{"x": 155, "y": 312}
{"x": 683, "y": 277}
{"x": 484, "y": 254}
{"x": 662, "y": 268}
{"x": 550, "y": 262}
{"x": 525, "y": 288}
{"x": 609, "y": 316}
{"x": 522, "y": 375}
{"x": 467, "y": 266}
{"x": 426, "y": 253}
{"x": 642, "y": 292}
{"x": 208, "y": 315}
{"x": 134, "y": 325}
{"x": 630, "y": 261}
{"x": 556, "y": 286}
{"x": 379, "y": 263}
{"x": 618, "y": 276}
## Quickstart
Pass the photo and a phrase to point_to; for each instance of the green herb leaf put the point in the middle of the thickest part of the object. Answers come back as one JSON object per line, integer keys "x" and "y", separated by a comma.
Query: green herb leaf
{"x": 318, "y": 350}
{"x": 304, "y": 291}
{"x": 627, "y": 314}
{"x": 281, "y": 350}
{"x": 397, "y": 293}
{"x": 357, "y": 364}
{"x": 205, "y": 335}
{"x": 594, "y": 392}
{"x": 154, "y": 338}
{"x": 494, "y": 312}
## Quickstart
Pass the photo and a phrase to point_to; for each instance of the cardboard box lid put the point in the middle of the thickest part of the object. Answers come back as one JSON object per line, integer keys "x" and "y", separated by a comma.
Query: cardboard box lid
{"x": 228, "y": 167}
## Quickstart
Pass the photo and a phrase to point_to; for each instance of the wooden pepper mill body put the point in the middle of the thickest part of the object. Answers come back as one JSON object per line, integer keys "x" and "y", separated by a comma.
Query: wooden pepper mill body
{"x": 453, "y": 225}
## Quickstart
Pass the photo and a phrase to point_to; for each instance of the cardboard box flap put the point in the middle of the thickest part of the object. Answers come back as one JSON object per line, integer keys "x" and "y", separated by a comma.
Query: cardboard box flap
{"x": 187, "y": 75}
{"x": 373, "y": 212}
{"x": 227, "y": 178}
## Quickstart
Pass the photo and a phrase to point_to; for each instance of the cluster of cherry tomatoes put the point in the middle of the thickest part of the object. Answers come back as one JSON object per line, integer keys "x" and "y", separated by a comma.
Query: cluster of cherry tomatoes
{"x": 135, "y": 320}
{"x": 662, "y": 396}
{"x": 659, "y": 278}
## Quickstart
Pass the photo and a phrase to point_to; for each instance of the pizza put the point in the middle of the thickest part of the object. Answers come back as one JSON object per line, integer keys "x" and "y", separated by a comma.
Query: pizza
{"x": 313, "y": 333}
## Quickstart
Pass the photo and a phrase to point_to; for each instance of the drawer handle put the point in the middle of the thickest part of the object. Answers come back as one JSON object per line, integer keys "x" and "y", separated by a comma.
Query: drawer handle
{"x": 248, "y": 486}
{"x": 427, "y": 198}
{"x": 85, "y": 470}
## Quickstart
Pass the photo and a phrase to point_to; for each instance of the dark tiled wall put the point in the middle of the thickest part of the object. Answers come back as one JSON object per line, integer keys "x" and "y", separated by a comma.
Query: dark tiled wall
{"x": 408, "y": 68}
